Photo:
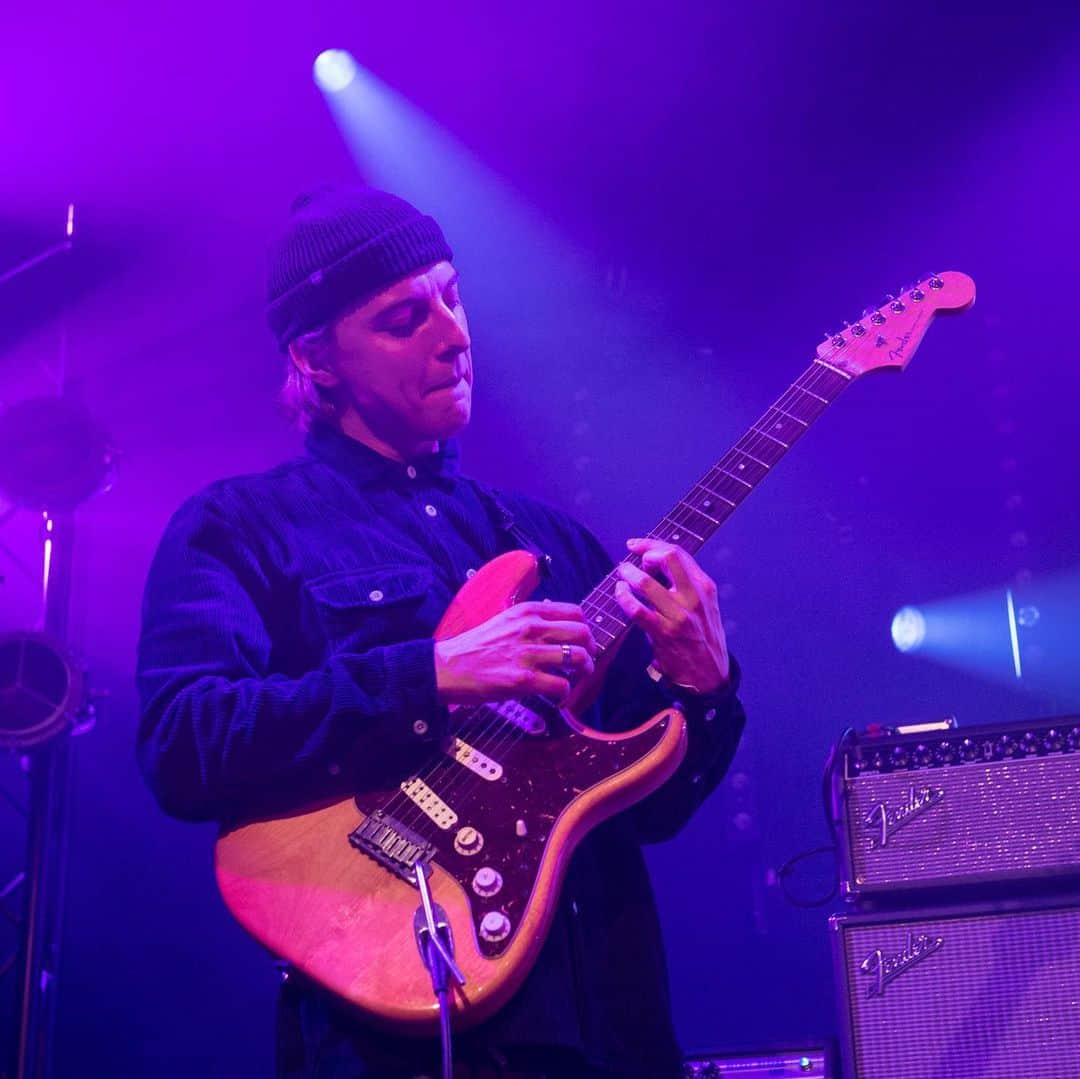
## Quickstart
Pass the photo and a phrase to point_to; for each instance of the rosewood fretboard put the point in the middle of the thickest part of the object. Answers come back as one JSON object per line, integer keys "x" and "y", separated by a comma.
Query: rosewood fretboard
{"x": 705, "y": 507}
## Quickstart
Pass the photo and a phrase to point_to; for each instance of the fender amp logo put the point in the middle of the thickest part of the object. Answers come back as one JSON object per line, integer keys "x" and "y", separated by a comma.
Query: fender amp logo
{"x": 886, "y": 822}
{"x": 883, "y": 968}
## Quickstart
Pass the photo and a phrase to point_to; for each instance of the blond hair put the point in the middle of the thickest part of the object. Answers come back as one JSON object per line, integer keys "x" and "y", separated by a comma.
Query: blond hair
{"x": 303, "y": 400}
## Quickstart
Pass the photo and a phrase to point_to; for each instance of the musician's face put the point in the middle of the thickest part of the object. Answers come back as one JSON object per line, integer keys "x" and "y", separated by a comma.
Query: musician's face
{"x": 403, "y": 364}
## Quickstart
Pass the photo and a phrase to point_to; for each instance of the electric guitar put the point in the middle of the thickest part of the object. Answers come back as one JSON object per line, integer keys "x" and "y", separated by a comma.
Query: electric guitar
{"x": 495, "y": 815}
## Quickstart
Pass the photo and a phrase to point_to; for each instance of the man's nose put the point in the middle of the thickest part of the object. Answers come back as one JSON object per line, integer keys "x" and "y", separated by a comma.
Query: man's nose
{"x": 455, "y": 336}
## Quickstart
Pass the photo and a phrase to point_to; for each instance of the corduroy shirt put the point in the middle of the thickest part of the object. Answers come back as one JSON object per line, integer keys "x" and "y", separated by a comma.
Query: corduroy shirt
{"x": 286, "y": 654}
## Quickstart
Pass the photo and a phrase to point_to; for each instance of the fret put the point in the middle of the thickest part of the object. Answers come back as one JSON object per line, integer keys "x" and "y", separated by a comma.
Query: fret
{"x": 737, "y": 479}
{"x": 780, "y": 442}
{"x": 836, "y": 371}
{"x": 744, "y": 464}
{"x": 601, "y": 634}
{"x": 816, "y": 403}
{"x": 767, "y": 451}
{"x": 672, "y": 532}
{"x": 790, "y": 415}
{"x": 709, "y": 500}
{"x": 777, "y": 425}
{"x": 729, "y": 488}
{"x": 696, "y": 520}
{"x": 703, "y": 508}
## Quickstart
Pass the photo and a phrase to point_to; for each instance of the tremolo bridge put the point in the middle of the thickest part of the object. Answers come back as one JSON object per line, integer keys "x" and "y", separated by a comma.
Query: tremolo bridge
{"x": 393, "y": 845}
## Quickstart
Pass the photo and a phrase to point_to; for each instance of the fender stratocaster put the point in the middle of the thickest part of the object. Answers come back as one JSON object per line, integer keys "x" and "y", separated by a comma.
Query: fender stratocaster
{"x": 498, "y": 810}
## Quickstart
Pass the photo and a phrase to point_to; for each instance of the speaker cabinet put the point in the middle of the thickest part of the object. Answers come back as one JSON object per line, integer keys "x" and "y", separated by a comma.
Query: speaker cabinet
{"x": 978, "y": 992}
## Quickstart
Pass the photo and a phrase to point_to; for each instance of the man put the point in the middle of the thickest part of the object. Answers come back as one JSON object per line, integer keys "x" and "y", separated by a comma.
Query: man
{"x": 287, "y": 652}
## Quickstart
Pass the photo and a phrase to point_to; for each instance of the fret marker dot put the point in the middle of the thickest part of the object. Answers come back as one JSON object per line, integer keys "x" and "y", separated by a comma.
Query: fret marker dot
{"x": 674, "y": 536}
{"x": 742, "y": 465}
{"x": 707, "y": 503}
{"x": 599, "y": 618}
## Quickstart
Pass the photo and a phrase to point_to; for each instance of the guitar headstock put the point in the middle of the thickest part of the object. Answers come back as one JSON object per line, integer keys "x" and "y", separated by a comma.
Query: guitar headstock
{"x": 889, "y": 336}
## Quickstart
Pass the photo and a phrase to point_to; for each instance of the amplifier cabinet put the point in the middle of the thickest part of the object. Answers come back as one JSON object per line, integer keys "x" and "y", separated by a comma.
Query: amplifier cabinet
{"x": 988, "y": 992}
{"x": 995, "y": 803}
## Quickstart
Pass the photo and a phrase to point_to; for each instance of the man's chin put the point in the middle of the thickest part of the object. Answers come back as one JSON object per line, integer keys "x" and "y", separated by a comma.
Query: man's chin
{"x": 452, "y": 422}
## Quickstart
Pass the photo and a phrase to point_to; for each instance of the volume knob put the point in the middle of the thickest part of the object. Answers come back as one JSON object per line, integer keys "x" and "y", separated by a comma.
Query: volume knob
{"x": 494, "y": 926}
{"x": 468, "y": 841}
{"x": 487, "y": 881}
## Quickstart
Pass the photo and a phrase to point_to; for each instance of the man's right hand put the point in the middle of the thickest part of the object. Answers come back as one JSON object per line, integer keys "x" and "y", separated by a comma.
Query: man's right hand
{"x": 517, "y": 653}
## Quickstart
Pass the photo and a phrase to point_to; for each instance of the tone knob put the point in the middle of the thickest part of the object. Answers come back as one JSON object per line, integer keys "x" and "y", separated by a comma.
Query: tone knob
{"x": 494, "y": 926}
{"x": 468, "y": 841}
{"x": 487, "y": 881}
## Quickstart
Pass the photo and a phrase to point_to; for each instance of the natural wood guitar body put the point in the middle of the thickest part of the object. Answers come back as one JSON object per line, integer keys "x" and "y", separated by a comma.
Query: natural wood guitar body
{"x": 301, "y": 889}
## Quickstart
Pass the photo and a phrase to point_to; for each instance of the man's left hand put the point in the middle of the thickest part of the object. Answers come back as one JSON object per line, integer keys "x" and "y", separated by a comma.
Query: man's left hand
{"x": 682, "y": 621}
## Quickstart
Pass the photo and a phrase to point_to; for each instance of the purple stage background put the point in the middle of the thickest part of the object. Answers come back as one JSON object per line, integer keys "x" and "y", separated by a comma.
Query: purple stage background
{"x": 733, "y": 182}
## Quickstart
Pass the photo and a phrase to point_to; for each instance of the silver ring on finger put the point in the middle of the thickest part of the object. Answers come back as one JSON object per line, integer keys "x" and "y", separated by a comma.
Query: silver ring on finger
{"x": 567, "y": 657}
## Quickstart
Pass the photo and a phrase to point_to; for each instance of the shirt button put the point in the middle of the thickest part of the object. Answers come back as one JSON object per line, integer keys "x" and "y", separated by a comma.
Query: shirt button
{"x": 430, "y": 510}
{"x": 334, "y": 769}
{"x": 469, "y": 574}
{"x": 410, "y": 472}
{"x": 375, "y": 595}
{"x": 710, "y": 715}
{"x": 420, "y": 727}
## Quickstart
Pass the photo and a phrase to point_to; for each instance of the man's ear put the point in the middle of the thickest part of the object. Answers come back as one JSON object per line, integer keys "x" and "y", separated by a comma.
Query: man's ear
{"x": 313, "y": 361}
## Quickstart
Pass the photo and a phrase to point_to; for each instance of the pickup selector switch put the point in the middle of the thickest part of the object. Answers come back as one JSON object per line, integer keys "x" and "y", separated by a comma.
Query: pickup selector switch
{"x": 494, "y": 926}
{"x": 487, "y": 881}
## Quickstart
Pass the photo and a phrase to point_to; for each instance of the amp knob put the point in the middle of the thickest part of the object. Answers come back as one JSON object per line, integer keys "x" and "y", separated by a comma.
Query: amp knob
{"x": 494, "y": 926}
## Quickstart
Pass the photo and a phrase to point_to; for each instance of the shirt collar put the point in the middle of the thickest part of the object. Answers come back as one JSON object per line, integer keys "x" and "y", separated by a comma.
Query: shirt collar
{"x": 368, "y": 467}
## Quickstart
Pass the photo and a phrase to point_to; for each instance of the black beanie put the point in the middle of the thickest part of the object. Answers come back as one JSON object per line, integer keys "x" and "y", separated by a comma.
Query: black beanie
{"x": 341, "y": 246}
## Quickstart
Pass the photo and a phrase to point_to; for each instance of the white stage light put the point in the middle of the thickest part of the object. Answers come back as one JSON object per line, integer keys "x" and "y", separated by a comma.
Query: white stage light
{"x": 908, "y": 629}
{"x": 334, "y": 70}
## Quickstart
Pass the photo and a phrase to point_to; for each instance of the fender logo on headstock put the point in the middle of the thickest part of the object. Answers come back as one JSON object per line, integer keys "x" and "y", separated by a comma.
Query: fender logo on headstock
{"x": 897, "y": 354}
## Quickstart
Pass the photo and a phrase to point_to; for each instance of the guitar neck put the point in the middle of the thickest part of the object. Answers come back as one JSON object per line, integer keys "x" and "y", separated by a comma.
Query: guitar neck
{"x": 704, "y": 508}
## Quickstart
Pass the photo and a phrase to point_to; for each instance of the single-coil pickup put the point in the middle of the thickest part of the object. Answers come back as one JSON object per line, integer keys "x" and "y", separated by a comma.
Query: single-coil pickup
{"x": 427, "y": 800}
{"x": 474, "y": 760}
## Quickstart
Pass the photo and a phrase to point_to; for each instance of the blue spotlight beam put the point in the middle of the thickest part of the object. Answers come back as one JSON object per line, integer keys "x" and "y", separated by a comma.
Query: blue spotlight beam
{"x": 1013, "y": 637}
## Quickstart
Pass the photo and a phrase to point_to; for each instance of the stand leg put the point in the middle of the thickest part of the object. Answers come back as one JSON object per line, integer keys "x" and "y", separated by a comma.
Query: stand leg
{"x": 39, "y": 957}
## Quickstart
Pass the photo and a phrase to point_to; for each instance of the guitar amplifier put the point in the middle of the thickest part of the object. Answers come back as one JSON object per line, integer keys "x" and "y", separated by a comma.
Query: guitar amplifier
{"x": 955, "y": 808}
{"x": 961, "y": 993}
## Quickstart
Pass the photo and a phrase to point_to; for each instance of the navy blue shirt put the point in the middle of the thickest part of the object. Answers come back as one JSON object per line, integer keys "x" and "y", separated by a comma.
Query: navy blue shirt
{"x": 286, "y": 654}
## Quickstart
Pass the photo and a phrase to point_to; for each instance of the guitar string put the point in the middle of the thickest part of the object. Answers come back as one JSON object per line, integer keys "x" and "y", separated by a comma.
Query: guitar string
{"x": 462, "y": 777}
{"x": 684, "y": 511}
{"x": 499, "y": 737}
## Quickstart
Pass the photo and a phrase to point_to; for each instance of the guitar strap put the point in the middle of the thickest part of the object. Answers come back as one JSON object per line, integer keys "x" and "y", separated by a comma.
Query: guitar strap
{"x": 503, "y": 520}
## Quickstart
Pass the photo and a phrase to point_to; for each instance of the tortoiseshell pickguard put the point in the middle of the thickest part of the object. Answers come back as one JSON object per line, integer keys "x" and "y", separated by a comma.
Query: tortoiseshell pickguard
{"x": 542, "y": 775}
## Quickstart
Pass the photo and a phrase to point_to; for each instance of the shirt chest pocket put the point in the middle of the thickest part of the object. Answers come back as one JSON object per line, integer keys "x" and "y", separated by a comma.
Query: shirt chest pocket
{"x": 357, "y": 610}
